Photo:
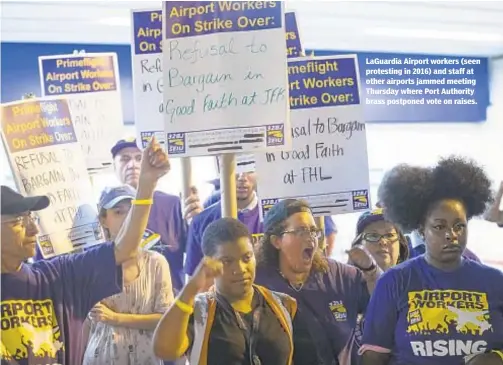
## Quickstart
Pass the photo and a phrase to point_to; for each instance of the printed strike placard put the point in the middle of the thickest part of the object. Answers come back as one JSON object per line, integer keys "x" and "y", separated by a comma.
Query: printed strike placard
{"x": 46, "y": 159}
{"x": 146, "y": 53}
{"x": 328, "y": 165}
{"x": 225, "y": 78}
{"x": 293, "y": 44}
{"x": 90, "y": 83}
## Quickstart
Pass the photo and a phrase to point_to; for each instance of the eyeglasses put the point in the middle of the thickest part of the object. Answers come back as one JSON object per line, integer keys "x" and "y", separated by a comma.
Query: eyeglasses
{"x": 25, "y": 219}
{"x": 306, "y": 232}
{"x": 376, "y": 237}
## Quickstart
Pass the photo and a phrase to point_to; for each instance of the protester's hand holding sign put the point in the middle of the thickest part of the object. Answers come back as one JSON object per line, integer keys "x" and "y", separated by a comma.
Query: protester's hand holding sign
{"x": 192, "y": 205}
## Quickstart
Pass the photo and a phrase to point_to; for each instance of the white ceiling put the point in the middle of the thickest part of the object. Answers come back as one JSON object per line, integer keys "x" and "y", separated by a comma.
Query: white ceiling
{"x": 453, "y": 27}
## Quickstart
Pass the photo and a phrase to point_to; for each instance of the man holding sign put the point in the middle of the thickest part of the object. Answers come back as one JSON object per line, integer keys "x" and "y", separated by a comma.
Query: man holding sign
{"x": 45, "y": 304}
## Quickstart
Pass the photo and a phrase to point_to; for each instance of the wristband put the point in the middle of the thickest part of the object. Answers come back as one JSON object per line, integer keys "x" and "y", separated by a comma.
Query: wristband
{"x": 499, "y": 353}
{"x": 184, "y": 307}
{"x": 142, "y": 201}
{"x": 371, "y": 268}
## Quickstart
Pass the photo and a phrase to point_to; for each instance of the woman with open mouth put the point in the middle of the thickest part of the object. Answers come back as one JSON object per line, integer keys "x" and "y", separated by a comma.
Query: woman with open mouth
{"x": 330, "y": 295}
{"x": 438, "y": 308}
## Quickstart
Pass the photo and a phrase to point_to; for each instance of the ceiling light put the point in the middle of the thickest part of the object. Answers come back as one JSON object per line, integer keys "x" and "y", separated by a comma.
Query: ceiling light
{"x": 116, "y": 21}
{"x": 436, "y": 34}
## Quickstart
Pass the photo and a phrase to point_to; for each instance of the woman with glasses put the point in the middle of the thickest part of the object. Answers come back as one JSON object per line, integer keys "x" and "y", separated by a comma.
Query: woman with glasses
{"x": 330, "y": 295}
{"x": 381, "y": 238}
{"x": 438, "y": 308}
{"x": 385, "y": 242}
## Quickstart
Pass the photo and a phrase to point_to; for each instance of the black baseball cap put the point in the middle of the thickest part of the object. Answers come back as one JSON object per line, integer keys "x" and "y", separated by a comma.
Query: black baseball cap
{"x": 282, "y": 210}
{"x": 14, "y": 203}
{"x": 123, "y": 143}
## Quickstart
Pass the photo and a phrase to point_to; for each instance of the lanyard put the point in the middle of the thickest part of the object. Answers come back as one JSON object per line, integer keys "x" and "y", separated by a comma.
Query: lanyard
{"x": 250, "y": 334}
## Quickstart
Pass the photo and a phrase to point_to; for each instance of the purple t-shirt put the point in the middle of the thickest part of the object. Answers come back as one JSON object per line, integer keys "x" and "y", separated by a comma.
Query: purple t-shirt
{"x": 44, "y": 305}
{"x": 428, "y": 316}
{"x": 166, "y": 218}
{"x": 194, "y": 238}
{"x": 328, "y": 307}
{"x": 249, "y": 217}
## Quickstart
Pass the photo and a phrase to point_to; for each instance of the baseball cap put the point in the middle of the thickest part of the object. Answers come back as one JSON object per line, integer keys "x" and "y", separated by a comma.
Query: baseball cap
{"x": 15, "y": 203}
{"x": 367, "y": 218}
{"x": 123, "y": 143}
{"x": 110, "y": 197}
{"x": 282, "y": 210}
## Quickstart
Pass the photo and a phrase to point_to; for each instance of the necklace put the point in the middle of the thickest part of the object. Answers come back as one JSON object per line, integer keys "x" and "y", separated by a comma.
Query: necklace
{"x": 296, "y": 287}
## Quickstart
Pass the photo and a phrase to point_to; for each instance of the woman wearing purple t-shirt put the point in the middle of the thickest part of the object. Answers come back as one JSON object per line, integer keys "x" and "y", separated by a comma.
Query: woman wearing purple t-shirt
{"x": 330, "y": 295}
{"x": 438, "y": 308}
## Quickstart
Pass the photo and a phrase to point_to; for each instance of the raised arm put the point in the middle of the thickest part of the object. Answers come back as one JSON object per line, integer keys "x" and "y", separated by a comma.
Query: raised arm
{"x": 171, "y": 339}
{"x": 154, "y": 165}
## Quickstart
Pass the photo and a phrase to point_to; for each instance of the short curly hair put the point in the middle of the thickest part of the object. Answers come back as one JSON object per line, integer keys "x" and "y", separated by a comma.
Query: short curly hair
{"x": 222, "y": 231}
{"x": 408, "y": 192}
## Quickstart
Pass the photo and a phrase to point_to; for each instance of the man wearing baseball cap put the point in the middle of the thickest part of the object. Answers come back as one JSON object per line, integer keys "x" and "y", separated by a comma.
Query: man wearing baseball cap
{"x": 43, "y": 305}
{"x": 167, "y": 214}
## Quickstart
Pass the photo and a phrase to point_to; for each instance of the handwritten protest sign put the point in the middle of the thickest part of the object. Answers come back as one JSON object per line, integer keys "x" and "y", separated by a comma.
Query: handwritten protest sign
{"x": 146, "y": 53}
{"x": 90, "y": 83}
{"x": 293, "y": 44}
{"x": 225, "y": 81}
{"x": 46, "y": 159}
{"x": 328, "y": 165}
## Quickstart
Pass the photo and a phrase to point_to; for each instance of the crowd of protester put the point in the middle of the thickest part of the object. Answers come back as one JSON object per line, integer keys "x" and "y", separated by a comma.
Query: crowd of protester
{"x": 253, "y": 290}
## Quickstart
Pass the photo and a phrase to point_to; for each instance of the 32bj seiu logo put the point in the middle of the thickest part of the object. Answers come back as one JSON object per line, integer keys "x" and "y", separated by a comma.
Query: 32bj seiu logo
{"x": 275, "y": 135}
{"x": 360, "y": 199}
{"x": 176, "y": 143}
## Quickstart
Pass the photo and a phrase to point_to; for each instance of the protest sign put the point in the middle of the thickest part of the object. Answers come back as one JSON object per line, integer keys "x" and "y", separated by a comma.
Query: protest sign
{"x": 47, "y": 159}
{"x": 146, "y": 53}
{"x": 90, "y": 83}
{"x": 245, "y": 162}
{"x": 400, "y": 87}
{"x": 225, "y": 80}
{"x": 328, "y": 165}
{"x": 293, "y": 44}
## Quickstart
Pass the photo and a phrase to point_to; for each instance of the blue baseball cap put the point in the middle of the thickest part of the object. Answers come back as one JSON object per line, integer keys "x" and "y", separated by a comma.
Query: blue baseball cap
{"x": 123, "y": 143}
{"x": 110, "y": 197}
{"x": 282, "y": 210}
{"x": 368, "y": 218}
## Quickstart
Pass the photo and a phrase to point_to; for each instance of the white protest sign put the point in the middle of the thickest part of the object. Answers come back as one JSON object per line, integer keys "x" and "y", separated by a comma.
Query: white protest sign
{"x": 245, "y": 162}
{"x": 225, "y": 79}
{"x": 90, "y": 83}
{"x": 47, "y": 159}
{"x": 146, "y": 54}
{"x": 328, "y": 166}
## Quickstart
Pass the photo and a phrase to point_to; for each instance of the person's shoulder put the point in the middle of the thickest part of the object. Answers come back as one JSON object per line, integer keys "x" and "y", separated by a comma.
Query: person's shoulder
{"x": 399, "y": 273}
{"x": 486, "y": 270}
{"x": 155, "y": 257}
{"x": 208, "y": 215}
{"x": 337, "y": 268}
